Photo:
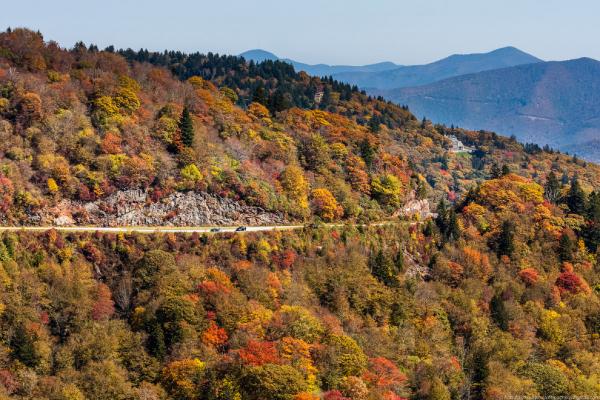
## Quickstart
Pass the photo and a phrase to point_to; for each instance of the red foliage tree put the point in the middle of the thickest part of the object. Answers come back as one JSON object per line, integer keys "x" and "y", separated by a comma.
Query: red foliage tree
{"x": 569, "y": 282}
{"x": 6, "y": 193}
{"x": 285, "y": 259}
{"x": 383, "y": 373}
{"x": 258, "y": 353}
{"x": 214, "y": 335}
{"x": 111, "y": 144}
{"x": 529, "y": 276}
{"x": 103, "y": 307}
{"x": 8, "y": 380}
{"x": 334, "y": 395}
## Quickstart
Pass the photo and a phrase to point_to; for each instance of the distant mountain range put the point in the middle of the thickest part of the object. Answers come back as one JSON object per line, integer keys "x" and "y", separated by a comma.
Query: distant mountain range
{"x": 258, "y": 55}
{"x": 455, "y": 65}
{"x": 506, "y": 90}
{"x": 555, "y": 103}
{"x": 387, "y": 75}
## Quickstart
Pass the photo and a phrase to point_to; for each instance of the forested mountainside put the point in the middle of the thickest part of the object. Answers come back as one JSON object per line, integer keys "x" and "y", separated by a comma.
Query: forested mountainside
{"x": 82, "y": 125}
{"x": 554, "y": 103}
{"x": 496, "y": 297}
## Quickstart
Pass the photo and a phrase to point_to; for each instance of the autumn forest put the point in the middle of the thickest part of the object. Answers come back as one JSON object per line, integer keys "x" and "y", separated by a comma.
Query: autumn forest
{"x": 488, "y": 288}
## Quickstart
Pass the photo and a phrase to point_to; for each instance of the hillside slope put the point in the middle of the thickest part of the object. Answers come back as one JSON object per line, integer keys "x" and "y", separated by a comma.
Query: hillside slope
{"x": 555, "y": 103}
{"x": 496, "y": 297}
{"x": 82, "y": 127}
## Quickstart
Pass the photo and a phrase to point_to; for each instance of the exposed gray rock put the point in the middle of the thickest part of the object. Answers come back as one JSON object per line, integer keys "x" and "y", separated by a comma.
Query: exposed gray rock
{"x": 414, "y": 206}
{"x": 135, "y": 208}
{"x": 63, "y": 220}
{"x": 415, "y": 269}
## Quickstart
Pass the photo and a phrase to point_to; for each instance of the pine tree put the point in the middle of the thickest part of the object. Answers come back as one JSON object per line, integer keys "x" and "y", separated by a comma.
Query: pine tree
{"x": 442, "y": 216}
{"x": 552, "y": 188}
{"x": 428, "y": 230}
{"x": 186, "y": 127}
{"x": 447, "y": 222}
{"x": 565, "y": 248}
{"x": 506, "y": 239}
{"x": 495, "y": 172}
{"x": 384, "y": 269}
{"x": 593, "y": 209}
{"x": 576, "y": 200}
{"x": 367, "y": 152}
{"x": 375, "y": 124}
{"x": 280, "y": 101}
{"x": 421, "y": 191}
{"x": 505, "y": 170}
{"x": 260, "y": 95}
{"x": 453, "y": 227}
{"x": 399, "y": 260}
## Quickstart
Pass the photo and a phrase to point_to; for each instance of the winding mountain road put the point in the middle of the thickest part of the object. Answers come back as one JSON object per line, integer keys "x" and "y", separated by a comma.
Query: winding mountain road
{"x": 170, "y": 229}
{"x": 151, "y": 229}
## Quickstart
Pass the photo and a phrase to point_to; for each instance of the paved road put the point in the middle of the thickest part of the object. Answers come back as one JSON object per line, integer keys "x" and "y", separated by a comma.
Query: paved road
{"x": 175, "y": 229}
{"x": 149, "y": 229}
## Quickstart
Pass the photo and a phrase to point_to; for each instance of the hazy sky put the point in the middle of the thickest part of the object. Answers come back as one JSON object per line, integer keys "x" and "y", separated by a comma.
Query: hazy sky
{"x": 329, "y": 31}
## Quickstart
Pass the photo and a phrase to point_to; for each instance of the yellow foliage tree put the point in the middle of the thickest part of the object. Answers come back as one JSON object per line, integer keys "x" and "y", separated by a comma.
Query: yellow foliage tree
{"x": 295, "y": 185}
{"x": 387, "y": 189}
{"x": 259, "y": 112}
{"x": 52, "y": 186}
{"x": 191, "y": 174}
{"x": 325, "y": 205}
{"x": 183, "y": 378}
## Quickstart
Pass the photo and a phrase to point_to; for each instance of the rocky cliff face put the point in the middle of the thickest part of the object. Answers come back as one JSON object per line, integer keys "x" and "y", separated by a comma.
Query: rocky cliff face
{"x": 134, "y": 208}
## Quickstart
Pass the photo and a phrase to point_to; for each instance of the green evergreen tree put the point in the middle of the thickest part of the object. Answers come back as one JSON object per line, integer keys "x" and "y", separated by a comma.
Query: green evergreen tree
{"x": 565, "y": 248}
{"x": 375, "y": 124}
{"x": 453, "y": 227}
{"x": 260, "y": 95}
{"x": 552, "y": 188}
{"x": 505, "y": 170}
{"x": 591, "y": 233}
{"x": 506, "y": 239}
{"x": 428, "y": 230}
{"x": 421, "y": 191}
{"x": 367, "y": 152}
{"x": 499, "y": 312}
{"x": 495, "y": 172}
{"x": 442, "y": 216}
{"x": 576, "y": 200}
{"x": 280, "y": 101}
{"x": 399, "y": 260}
{"x": 593, "y": 207}
{"x": 384, "y": 269}
{"x": 447, "y": 222}
{"x": 156, "y": 341}
{"x": 186, "y": 127}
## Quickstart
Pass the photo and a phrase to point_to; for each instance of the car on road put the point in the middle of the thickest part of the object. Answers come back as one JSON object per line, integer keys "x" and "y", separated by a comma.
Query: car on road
{"x": 215, "y": 229}
{"x": 241, "y": 229}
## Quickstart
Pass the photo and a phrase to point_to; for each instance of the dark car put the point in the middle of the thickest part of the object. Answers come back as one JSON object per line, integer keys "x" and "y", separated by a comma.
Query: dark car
{"x": 241, "y": 229}
{"x": 215, "y": 229}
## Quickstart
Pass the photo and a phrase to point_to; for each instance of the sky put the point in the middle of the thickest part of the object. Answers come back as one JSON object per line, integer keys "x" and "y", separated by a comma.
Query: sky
{"x": 321, "y": 31}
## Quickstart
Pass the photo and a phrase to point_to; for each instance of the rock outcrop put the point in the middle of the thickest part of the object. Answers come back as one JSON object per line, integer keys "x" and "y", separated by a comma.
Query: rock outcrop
{"x": 135, "y": 208}
{"x": 414, "y": 206}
